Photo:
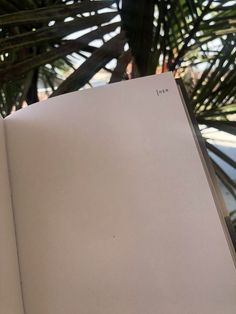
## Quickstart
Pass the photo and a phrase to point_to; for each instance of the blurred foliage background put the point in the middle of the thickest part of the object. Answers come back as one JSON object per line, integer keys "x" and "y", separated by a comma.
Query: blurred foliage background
{"x": 52, "y": 47}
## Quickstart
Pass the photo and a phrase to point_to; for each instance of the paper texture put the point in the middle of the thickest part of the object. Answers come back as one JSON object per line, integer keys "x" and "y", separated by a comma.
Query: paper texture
{"x": 10, "y": 293}
{"x": 113, "y": 210}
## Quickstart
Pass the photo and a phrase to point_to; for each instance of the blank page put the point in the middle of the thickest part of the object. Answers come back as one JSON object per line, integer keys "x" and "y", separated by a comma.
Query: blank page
{"x": 10, "y": 291}
{"x": 113, "y": 210}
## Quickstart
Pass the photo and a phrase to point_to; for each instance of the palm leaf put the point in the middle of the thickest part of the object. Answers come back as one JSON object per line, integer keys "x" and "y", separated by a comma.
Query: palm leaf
{"x": 17, "y": 69}
{"x": 56, "y": 13}
{"x": 111, "y": 49}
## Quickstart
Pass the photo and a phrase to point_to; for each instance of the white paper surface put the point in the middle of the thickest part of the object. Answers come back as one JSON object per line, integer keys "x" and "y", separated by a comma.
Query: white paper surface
{"x": 10, "y": 293}
{"x": 113, "y": 210}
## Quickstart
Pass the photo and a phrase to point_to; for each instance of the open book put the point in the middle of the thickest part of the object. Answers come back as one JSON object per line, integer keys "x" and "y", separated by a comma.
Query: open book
{"x": 106, "y": 207}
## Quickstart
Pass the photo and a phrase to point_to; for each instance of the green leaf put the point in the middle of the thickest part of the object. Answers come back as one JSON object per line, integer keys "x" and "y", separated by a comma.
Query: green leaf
{"x": 20, "y": 68}
{"x": 50, "y": 34}
{"x": 220, "y": 154}
{"x": 55, "y": 12}
{"x": 111, "y": 49}
{"x": 226, "y": 126}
